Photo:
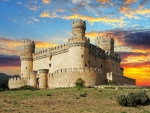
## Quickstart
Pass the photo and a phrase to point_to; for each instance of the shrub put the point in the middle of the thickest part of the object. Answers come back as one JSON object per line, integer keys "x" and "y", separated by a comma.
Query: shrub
{"x": 79, "y": 83}
{"x": 25, "y": 87}
{"x": 122, "y": 100}
{"x": 133, "y": 99}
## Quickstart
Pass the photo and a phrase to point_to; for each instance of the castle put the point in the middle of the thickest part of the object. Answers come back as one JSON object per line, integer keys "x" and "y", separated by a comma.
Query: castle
{"x": 61, "y": 66}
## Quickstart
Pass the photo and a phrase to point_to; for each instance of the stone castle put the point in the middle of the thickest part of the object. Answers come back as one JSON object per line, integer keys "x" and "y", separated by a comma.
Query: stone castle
{"x": 61, "y": 66}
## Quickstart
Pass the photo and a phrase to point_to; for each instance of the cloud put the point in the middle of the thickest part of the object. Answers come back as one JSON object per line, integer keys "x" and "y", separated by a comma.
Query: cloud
{"x": 46, "y": 14}
{"x": 5, "y": 0}
{"x": 46, "y": 1}
{"x": 103, "y": 1}
{"x": 40, "y": 44}
{"x": 19, "y": 3}
{"x": 9, "y": 60}
{"x": 35, "y": 19}
{"x": 93, "y": 19}
{"x": 34, "y": 8}
{"x": 129, "y": 1}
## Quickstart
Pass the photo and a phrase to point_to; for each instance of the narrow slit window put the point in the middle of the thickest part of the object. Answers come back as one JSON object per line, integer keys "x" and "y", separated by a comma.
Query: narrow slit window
{"x": 49, "y": 65}
{"x": 82, "y": 56}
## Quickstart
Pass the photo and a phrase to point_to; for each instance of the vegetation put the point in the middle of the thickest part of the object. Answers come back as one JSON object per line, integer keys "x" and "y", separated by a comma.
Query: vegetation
{"x": 133, "y": 99}
{"x": 112, "y": 82}
{"x": 87, "y": 100}
{"x": 26, "y": 87}
{"x": 79, "y": 83}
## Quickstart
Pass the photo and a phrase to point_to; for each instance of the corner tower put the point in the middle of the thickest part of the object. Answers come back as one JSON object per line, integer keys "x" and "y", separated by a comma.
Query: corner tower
{"x": 105, "y": 43}
{"x": 27, "y": 59}
{"x": 78, "y": 45}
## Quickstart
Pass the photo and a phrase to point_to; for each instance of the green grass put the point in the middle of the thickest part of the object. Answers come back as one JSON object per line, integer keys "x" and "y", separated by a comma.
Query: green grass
{"x": 67, "y": 100}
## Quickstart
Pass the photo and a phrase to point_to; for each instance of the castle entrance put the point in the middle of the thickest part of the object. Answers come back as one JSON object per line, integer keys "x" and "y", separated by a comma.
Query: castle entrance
{"x": 37, "y": 81}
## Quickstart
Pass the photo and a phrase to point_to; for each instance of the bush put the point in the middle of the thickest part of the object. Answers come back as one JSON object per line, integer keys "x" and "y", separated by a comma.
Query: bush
{"x": 133, "y": 99}
{"x": 25, "y": 87}
{"x": 122, "y": 100}
{"x": 79, "y": 83}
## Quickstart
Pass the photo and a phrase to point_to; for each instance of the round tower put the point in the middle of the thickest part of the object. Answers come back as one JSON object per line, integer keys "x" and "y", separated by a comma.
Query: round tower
{"x": 43, "y": 83}
{"x": 27, "y": 59}
{"x": 33, "y": 78}
{"x": 78, "y": 45}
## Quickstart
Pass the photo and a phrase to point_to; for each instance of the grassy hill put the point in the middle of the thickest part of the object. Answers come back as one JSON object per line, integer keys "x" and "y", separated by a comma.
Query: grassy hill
{"x": 70, "y": 100}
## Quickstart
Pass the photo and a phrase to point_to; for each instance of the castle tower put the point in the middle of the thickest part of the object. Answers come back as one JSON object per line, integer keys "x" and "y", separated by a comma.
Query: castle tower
{"x": 78, "y": 45}
{"x": 43, "y": 77}
{"x": 78, "y": 28}
{"x": 105, "y": 43}
{"x": 27, "y": 59}
{"x": 33, "y": 81}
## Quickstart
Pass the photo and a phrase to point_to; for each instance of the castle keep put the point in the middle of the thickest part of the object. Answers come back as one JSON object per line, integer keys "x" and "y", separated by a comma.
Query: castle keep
{"x": 61, "y": 66}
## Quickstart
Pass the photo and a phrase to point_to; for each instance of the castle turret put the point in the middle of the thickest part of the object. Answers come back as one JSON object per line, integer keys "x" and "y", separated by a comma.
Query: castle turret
{"x": 78, "y": 45}
{"x": 105, "y": 43}
{"x": 27, "y": 59}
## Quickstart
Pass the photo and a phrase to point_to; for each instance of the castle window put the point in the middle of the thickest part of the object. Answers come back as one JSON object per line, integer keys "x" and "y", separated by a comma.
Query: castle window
{"x": 49, "y": 65}
{"x": 85, "y": 65}
{"x": 113, "y": 64}
{"x": 101, "y": 66}
{"x": 22, "y": 74}
{"x": 82, "y": 56}
{"x": 26, "y": 67}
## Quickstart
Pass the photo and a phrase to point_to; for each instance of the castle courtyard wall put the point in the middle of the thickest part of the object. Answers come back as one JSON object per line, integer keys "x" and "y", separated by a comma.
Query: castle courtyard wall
{"x": 68, "y": 77}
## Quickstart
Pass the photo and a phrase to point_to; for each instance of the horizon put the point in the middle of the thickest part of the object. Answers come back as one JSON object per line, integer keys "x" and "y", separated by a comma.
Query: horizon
{"x": 49, "y": 23}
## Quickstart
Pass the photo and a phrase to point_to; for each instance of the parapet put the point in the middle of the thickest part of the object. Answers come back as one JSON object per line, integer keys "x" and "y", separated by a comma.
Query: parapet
{"x": 79, "y": 24}
{"x": 43, "y": 70}
{"x": 69, "y": 70}
{"x": 33, "y": 72}
{"x": 50, "y": 52}
{"x": 29, "y": 42}
{"x": 78, "y": 41}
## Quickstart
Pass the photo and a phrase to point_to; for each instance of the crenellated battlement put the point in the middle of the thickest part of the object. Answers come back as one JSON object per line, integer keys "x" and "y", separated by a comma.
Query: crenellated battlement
{"x": 79, "y": 24}
{"x": 50, "y": 52}
{"x": 120, "y": 79}
{"x": 96, "y": 51}
{"x": 80, "y": 70}
{"x": 113, "y": 55}
{"x": 15, "y": 79}
{"x": 29, "y": 42}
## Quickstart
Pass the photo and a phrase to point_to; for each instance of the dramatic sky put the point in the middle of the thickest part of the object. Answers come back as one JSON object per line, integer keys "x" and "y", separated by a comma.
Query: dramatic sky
{"x": 48, "y": 23}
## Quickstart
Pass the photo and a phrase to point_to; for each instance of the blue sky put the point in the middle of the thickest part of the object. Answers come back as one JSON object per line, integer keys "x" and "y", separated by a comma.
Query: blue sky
{"x": 48, "y": 23}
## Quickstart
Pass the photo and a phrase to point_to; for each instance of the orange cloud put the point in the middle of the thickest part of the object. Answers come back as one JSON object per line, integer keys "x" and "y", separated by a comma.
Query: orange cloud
{"x": 40, "y": 44}
{"x": 103, "y": 1}
{"x": 48, "y": 15}
{"x": 132, "y": 13}
{"x": 46, "y": 1}
{"x": 130, "y": 1}
{"x": 92, "y": 19}
{"x": 10, "y": 70}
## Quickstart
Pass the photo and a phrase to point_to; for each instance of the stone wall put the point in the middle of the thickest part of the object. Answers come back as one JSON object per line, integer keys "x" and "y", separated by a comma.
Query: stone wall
{"x": 120, "y": 79}
{"x": 17, "y": 82}
{"x": 68, "y": 77}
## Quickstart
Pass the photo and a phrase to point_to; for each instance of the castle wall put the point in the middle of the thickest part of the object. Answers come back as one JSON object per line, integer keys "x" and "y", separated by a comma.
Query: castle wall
{"x": 112, "y": 66}
{"x": 119, "y": 79}
{"x": 67, "y": 77}
{"x": 52, "y": 63}
{"x": 17, "y": 82}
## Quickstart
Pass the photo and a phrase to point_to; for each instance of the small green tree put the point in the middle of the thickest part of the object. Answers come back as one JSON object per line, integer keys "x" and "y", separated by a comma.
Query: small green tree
{"x": 79, "y": 83}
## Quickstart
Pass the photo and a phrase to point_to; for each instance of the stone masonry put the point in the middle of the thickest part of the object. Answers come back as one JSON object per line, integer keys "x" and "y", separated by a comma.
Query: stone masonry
{"x": 61, "y": 66}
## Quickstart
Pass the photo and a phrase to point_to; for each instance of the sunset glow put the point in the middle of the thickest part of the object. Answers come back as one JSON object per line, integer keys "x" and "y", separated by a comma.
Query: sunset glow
{"x": 48, "y": 23}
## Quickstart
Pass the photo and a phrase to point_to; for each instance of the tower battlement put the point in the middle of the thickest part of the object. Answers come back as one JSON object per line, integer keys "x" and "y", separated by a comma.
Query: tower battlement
{"x": 106, "y": 43}
{"x": 79, "y": 24}
{"x": 29, "y": 42}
